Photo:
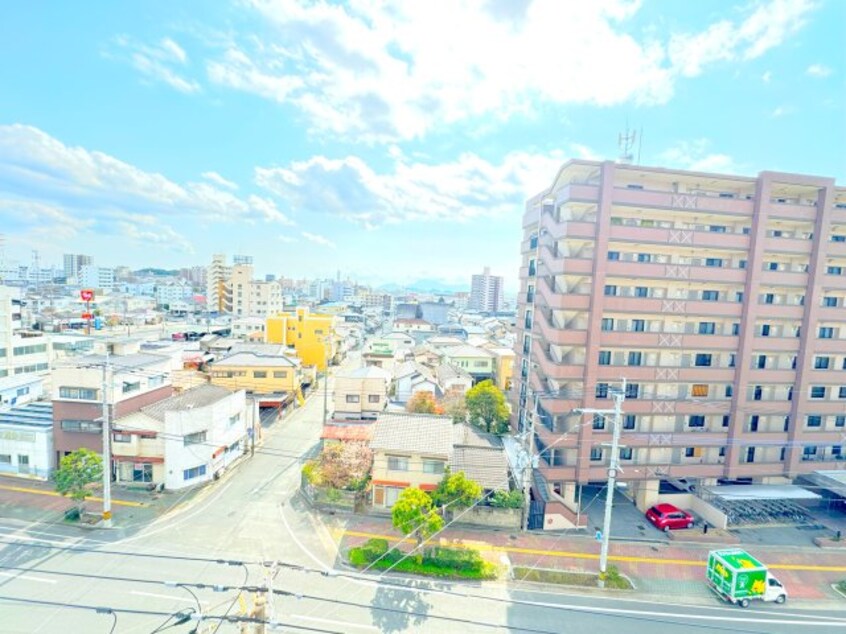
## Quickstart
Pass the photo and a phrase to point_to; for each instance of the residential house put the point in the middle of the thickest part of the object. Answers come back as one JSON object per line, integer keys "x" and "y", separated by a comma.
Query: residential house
{"x": 453, "y": 381}
{"x": 18, "y": 390}
{"x": 413, "y": 326}
{"x": 310, "y": 334}
{"x": 335, "y": 433}
{"x": 26, "y": 440}
{"x": 361, "y": 393}
{"x": 503, "y": 367}
{"x": 183, "y": 440}
{"x": 410, "y": 378}
{"x": 135, "y": 381}
{"x": 258, "y": 373}
{"x": 477, "y": 362}
{"x": 248, "y": 328}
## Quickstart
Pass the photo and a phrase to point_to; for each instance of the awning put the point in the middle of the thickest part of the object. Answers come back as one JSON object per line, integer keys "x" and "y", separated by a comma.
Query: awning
{"x": 739, "y": 492}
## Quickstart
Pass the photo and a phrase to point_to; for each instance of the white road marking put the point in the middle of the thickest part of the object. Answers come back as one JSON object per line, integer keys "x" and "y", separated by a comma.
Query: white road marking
{"x": 332, "y": 622}
{"x": 27, "y": 577}
{"x": 180, "y": 599}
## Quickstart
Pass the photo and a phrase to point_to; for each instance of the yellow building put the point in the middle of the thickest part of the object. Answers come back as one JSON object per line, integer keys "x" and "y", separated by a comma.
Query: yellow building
{"x": 257, "y": 373}
{"x": 504, "y": 367}
{"x": 310, "y": 334}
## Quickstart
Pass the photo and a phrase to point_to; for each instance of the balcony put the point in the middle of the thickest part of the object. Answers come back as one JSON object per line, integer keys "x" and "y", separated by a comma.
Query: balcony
{"x": 759, "y": 376}
{"x": 664, "y": 373}
{"x": 556, "y": 335}
{"x": 658, "y": 306}
{"x": 575, "y": 229}
{"x": 691, "y": 203}
{"x": 554, "y": 369}
{"x": 793, "y": 246}
{"x": 561, "y": 301}
{"x": 560, "y": 265}
{"x": 792, "y": 210}
{"x": 784, "y": 278}
{"x": 776, "y": 344}
{"x": 688, "y": 238}
{"x": 651, "y": 270}
{"x": 577, "y": 192}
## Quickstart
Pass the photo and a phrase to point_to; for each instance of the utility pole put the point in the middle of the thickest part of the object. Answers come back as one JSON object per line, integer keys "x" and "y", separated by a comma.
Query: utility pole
{"x": 613, "y": 466}
{"x": 326, "y": 384}
{"x": 107, "y": 453}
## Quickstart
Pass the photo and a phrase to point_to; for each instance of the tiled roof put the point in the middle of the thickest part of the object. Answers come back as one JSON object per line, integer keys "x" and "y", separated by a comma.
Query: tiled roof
{"x": 199, "y": 396}
{"x": 466, "y": 351}
{"x": 417, "y": 433}
{"x": 447, "y": 371}
{"x": 366, "y": 372}
{"x": 124, "y": 362}
{"x": 469, "y": 436}
{"x": 487, "y": 466}
{"x": 257, "y": 360}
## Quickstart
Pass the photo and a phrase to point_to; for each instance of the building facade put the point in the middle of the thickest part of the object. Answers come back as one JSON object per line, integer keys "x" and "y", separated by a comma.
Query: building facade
{"x": 486, "y": 292}
{"x": 73, "y": 264}
{"x": 719, "y": 298}
{"x": 361, "y": 393}
{"x": 97, "y": 277}
{"x": 22, "y": 353}
{"x": 310, "y": 334}
{"x": 217, "y": 274}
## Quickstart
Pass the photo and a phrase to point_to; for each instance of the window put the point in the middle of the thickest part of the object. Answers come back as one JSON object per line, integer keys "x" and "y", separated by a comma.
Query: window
{"x": 772, "y": 266}
{"x": 596, "y": 454}
{"x": 234, "y": 419}
{"x": 194, "y": 472}
{"x": 814, "y": 420}
{"x": 826, "y": 332}
{"x": 641, "y": 291}
{"x": 761, "y": 362}
{"x": 710, "y": 296}
{"x": 604, "y": 357}
{"x": 836, "y": 451}
{"x": 433, "y": 466}
{"x": 720, "y": 228}
{"x": 790, "y": 393}
{"x": 632, "y": 390}
{"x": 353, "y": 398}
{"x": 22, "y": 350}
{"x": 696, "y": 420}
{"x": 598, "y": 421}
{"x": 629, "y": 421}
{"x": 729, "y": 392}
{"x": 822, "y": 363}
{"x": 610, "y": 289}
{"x": 397, "y": 463}
{"x": 82, "y": 426}
{"x": 689, "y": 452}
{"x": 830, "y": 302}
{"x": 769, "y": 298}
{"x": 259, "y": 374}
{"x": 726, "y": 420}
{"x": 765, "y": 330}
{"x": 601, "y": 390}
{"x": 373, "y": 398}
{"x": 741, "y": 264}
{"x": 644, "y": 257}
{"x": 638, "y": 325}
{"x": 702, "y": 360}
{"x": 613, "y": 255}
{"x": 782, "y": 453}
{"x": 841, "y": 392}
{"x": 840, "y": 420}
{"x": 133, "y": 386}
{"x": 607, "y": 324}
{"x": 156, "y": 380}
{"x": 809, "y": 452}
{"x": 78, "y": 393}
{"x": 194, "y": 439}
{"x": 838, "y": 238}
{"x": 713, "y": 262}
{"x": 5, "y": 458}
{"x": 817, "y": 391}
{"x": 635, "y": 358}
{"x": 750, "y": 454}
{"x": 280, "y": 374}
{"x": 758, "y": 393}
{"x": 786, "y": 424}
{"x": 707, "y": 327}
{"x": 118, "y": 437}
{"x": 753, "y": 422}
{"x": 738, "y": 296}
{"x": 699, "y": 389}
{"x": 732, "y": 359}
{"x": 834, "y": 270}
{"x": 626, "y": 453}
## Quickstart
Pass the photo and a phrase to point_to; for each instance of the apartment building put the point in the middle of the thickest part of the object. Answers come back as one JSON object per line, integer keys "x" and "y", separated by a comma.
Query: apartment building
{"x": 719, "y": 298}
{"x": 22, "y": 353}
{"x": 310, "y": 334}
{"x": 97, "y": 277}
{"x": 73, "y": 264}
{"x": 247, "y": 297}
{"x": 486, "y": 292}
{"x": 217, "y": 274}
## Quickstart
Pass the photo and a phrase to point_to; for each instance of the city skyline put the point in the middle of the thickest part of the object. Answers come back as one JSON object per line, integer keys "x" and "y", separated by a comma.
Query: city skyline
{"x": 279, "y": 130}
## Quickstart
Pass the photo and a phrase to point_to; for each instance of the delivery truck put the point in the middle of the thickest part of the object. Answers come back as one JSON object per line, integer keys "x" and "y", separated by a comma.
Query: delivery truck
{"x": 739, "y": 578}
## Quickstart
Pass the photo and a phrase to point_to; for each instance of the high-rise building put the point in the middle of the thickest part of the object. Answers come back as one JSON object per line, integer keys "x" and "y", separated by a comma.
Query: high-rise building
{"x": 247, "y": 297}
{"x": 486, "y": 292}
{"x": 73, "y": 264}
{"x": 217, "y": 274}
{"x": 719, "y": 298}
{"x": 97, "y": 277}
{"x": 21, "y": 353}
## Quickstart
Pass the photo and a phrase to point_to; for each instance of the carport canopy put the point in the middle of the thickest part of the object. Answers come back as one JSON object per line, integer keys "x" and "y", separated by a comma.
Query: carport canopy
{"x": 736, "y": 492}
{"x": 831, "y": 480}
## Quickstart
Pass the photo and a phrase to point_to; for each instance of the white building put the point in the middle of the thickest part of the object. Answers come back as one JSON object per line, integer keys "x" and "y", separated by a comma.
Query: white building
{"x": 26, "y": 440}
{"x": 19, "y": 390}
{"x": 73, "y": 264}
{"x": 97, "y": 277}
{"x": 184, "y": 440}
{"x": 247, "y": 297}
{"x": 410, "y": 378}
{"x": 216, "y": 276}
{"x": 20, "y": 354}
{"x": 173, "y": 293}
{"x": 248, "y": 327}
{"x": 486, "y": 292}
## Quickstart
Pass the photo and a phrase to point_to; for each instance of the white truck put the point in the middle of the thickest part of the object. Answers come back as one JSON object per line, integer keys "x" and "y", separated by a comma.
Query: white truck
{"x": 739, "y": 578}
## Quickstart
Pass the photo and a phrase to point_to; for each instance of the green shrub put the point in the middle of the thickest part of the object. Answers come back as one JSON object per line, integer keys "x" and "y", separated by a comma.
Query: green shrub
{"x": 311, "y": 472}
{"x": 506, "y": 499}
{"x": 456, "y": 559}
{"x": 437, "y": 562}
{"x": 377, "y": 546}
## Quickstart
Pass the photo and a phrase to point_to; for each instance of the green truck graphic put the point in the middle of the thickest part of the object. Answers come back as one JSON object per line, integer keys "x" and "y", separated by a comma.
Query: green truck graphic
{"x": 738, "y": 577}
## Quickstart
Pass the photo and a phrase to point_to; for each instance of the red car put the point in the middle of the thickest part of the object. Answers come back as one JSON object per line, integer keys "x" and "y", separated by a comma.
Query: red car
{"x": 667, "y": 516}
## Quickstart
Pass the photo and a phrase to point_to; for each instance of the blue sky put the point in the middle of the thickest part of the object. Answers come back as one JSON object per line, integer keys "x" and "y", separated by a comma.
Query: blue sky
{"x": 392, "y": 142}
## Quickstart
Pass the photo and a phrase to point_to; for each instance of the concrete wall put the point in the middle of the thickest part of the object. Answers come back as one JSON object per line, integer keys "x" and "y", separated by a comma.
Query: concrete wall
{"x": 697, "y": 506}
{"x": 489, "y": 516}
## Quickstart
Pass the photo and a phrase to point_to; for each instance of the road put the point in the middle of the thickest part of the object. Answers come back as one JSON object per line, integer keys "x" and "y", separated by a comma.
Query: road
{"x": 253, "y": 515}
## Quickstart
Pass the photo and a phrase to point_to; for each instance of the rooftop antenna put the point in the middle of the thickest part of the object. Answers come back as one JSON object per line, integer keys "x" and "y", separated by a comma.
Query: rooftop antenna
{"x": 626, "y": 141}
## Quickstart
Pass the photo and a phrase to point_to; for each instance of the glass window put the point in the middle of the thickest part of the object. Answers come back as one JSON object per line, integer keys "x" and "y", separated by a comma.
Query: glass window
{"x": 118, "y": 437}
{"x": 234, "y": 419}
{"x": 834, "y": 270}
{"x": 644, "y": 257}
{"x": 82, "y": 426}
{"x": 830, "y": 302}
{"x": 826, "y": 332}
{"x": 629, "y": 421}
{"x": 641, "y": 291}
{"x": 596, "y": 454}
{"x": 397, "y": 463}
{"x": 817, "y": 391}
{"x": 841, "y": 393}
{"x": 696, "y": 420}
{"x": 433, "y": 466}
{"x": 700, "y": 390}
{"x": 280, "y": 374}
{"x": 131, "y": 386}
{"x": 761, "y": 361}
{"x": 259, "y": 374}
{"x": 604, "y": 357}
{"x": 353, "y": 398}
{"x": 822, "y": 363}
{"x": 194, "y": 472}
{"x": 601, "y": 390}
{"x": 613, "y": 255}
{"x": 610, "y": 290}
{"x": 758, "y": 393}
{"x": 765, "y": 330}
{"x": 707, "y": 327}
{"x": 635, "y": 358}
{"x": 814, "y": 420}
{"x": 710, "y": 296}
{"x": 638, "y": 325}
{"x": 729, "y": 392}
{"x": 373, "y": 398}
{"x": 598, "y": 421}
{"x": 632, "y": 390}
{"x": 194, "y": 439}
{"x": 689, "y": 452}
{"x": 78, "y": 393}
{"x": 626, "y": 453}
{"x": 702, "y": 360}
{"x": 607, "y": 324}
{"x": 713, "y": 262}
{"x": 840, "y": 420}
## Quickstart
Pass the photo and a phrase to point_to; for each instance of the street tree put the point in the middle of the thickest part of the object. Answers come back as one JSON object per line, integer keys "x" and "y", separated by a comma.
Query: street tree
{"x": 76, "y": 471}
{"x": 455, "y": 407}
{"x": 423, "y": 403}
{"x": 413, "y": 514}
{"x": 456, "y": 490}
{"x": 345, "y": 465}
{"x": 486, "y": 407}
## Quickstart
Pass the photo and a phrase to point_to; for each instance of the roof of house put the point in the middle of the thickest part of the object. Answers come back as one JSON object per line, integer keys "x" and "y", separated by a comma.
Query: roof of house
{"x": 417, "y": 433}
{"x": 37, "y": 415}
{"x": 200, "y": 396}
{"x": 366, "y": 372}
{"x": 270, "y": 349}
{"x": 487, "y": 466}
{"x": 410, "y": 321}
{"x": 443, "y": 340}
{"x": 349, "y": 433}
{"x": 257, "y": 360}
{"x": 447, "y": 371}
{"x": 123, "y": 362}
{"x": 466, "y": 351}
{"x": 410, "y": 368}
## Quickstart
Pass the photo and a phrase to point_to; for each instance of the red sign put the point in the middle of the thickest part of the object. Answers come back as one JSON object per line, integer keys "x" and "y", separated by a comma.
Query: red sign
{"x": 87, "y": 316}
{"x": 87, "y": 295}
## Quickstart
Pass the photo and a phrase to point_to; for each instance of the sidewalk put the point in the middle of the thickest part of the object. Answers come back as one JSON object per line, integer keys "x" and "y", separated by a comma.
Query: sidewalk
{"x": 667, "y": 570}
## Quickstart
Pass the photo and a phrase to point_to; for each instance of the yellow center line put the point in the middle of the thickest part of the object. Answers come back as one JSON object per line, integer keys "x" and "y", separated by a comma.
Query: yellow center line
{"x": 576, "y": 555}
{"x": 58, "y": 495}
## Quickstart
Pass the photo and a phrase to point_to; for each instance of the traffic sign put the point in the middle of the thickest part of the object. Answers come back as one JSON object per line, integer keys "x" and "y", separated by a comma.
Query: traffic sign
{"x": 86, "y": 294}
{"x": 87, "y": 315}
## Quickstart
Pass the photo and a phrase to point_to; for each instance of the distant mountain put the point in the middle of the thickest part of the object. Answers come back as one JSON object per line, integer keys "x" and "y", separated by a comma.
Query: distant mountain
{"x": 425, "y": 286}
{"x": 158, "y": 272}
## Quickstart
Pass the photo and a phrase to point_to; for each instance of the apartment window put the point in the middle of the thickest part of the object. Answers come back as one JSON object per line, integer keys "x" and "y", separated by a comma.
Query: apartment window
{"x": 834, "y": 270}
{"x": 741, "y": 264}
{"x": 707, "y": 327}
{"x": 813, "y": 420}
{"x": 729, "y": 392}
{"x": 840, "y": 420}
{"x": 836, "y": 451}
{"x": 830, "y": 302}
{"x": 722, "y": 452}
{"x": 638, "y": 325}
{"x": 817, "y": 391}
{"x": 117, "y": 437}
{"x": 280, "y": 374}
{"x": 710, "y": 296}
{"x": 259, "y": 374}
{"x": 841, "y": 392}
{"x": 772, "y": 266}
{"x": 635, "y": 358}
{"x": 758, "y": 393}
{"x": 598, "y": 421}
{"x": 753, "y": 422}
{"x": 194, "y": 439}
{"x": 353, "y": 398}
{"x": 194, "y": 472}
{"x": 738, "y": 296}
{"x": 719, "y": 228}
{"x": 596, "y": 454}
{"x": 78, "y": 393}
{"x": 397, "y": 463}
{"x": 155, "y": 381}
{"x": 765, "y": 330}
{"x": 732, "y": 359}
{"x": 22, "y": 350}
{"x": 82, "y": 426}
{"x": 696, "y": 421}
{"x": 629, "y": 421}
{"x": 761, "y": 362}
{"x": 689, "y": 452}
{"x": 699, "y": 389}
{"x": 234, "y": 419}
{"x": 626, "y": 453}
{"x": 632, "y": 390}
{"x": 644, "y": 257}
{"x": 607, "y": 324}
{"x": 613, "y": 255}
{"x": 604, "y": 357}
{"x": 533, "y": 241}
{"x": 713, "y": 262}
{"x": 433, "y": 466}
{"x": 822, "y": 363}
{"x": 601, "y": 390}
{"x": 702, "y": 360}
{"x": 641, "y": 291}
{"x": 809, "y": 452}
{"x": 726, "y": 420}
{"x": 610, "y": 290}
{"x": 826, "y": 332}
{"x": 790, "y": 393}
{"x": 769, "y": 298}
{"x": 838, "y": 238}
{"x": 750, "y": 454}
{"x": 786, "y": 424}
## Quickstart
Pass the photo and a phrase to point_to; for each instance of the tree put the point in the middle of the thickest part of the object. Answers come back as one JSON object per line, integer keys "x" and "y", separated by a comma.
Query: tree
{"x": 345, "y": 465}
{"x": 456, "y": 490}
{"x": 423, "y": 403}
{"x": 486, "y": 407}
{"x": 412, "y": 514}
{"x": 455, "y": 407}
{"x": 76, "y": 471}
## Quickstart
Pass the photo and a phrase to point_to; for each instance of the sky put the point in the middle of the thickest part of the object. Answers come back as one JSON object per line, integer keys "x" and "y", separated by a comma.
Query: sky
{"x": 391, "y": 141}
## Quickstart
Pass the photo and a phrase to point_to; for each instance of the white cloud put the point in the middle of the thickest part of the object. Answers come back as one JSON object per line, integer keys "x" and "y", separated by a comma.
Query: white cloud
{"x": 286, "y": 239}
{"x": 767, "y": 77}
{"x": 781, "y": 111}
{"x": 695, "y": 156}
{"x": 765, "y": 28}
{"x": 157, "y": 62}
{"x": 469, "y": 187}
{"x": 217, "y": 179}
{"x": 318, "y": 239}
{"x": 47, "y": 183}
{"x": 818, "y": 70}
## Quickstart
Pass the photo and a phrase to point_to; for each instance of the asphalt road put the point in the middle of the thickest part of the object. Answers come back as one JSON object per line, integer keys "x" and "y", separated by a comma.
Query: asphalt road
{"x": 145, "y": 574}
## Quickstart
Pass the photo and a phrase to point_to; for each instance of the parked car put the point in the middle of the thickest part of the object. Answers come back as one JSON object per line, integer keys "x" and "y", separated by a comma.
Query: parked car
{"x": 667, "y": 517}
